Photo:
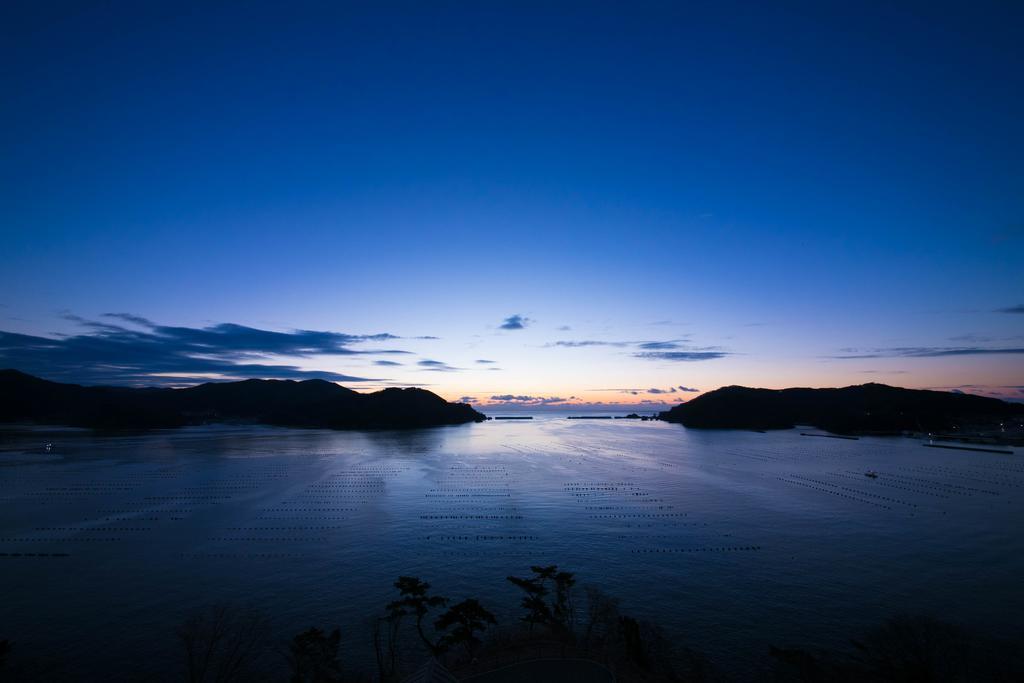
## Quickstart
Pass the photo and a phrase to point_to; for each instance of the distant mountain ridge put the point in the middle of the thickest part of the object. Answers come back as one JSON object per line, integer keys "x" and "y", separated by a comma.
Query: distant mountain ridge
{"x": 309, "y": 403}
{"x": 863, "y": 408}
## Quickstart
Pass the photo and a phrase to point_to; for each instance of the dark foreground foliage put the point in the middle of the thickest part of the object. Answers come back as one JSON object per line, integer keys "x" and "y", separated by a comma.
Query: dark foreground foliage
{"x": 232, "y": 644}
{"x": 906, "y": 649}
{"x": 313, "y": 657}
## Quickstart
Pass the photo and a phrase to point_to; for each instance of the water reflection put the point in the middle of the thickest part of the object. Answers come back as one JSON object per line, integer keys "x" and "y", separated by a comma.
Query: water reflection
{"x": 722, "y": 537}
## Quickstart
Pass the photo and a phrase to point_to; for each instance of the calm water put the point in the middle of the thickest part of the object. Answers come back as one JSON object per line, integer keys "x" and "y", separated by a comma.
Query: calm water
{"x": 732, "y": 540}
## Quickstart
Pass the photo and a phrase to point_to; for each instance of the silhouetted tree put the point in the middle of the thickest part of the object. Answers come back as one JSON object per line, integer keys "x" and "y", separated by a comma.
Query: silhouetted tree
{"x": 602, "y": 616}
{"x": 385, "y": 645}
{"x": 223, "y": 644}
{"x": 629, "y": 629}
{"x": 417, "y": 603}
{"x": 459, "y": 625}
{"x": 313, "y": 657}
{"x": 464, "y": 619}
{"x": 537, "y": 610}
{"x": 558, "y": 614}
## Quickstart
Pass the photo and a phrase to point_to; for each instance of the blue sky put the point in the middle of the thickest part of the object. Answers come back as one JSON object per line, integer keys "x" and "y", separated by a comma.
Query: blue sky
{"x": 804, "y": 194}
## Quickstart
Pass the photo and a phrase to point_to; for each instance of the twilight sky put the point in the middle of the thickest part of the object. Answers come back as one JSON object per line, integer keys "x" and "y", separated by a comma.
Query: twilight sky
{"x": 604, "y": 202}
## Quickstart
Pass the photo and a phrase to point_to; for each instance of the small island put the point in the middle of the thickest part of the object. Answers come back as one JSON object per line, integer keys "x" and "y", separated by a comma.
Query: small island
{"x": 861, "y": 409}
{"x": 289, "y": 403}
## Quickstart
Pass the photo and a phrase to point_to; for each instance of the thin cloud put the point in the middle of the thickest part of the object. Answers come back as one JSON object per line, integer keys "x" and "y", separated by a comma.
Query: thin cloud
{"x": 1002, "y": 392}
{"x": 975, "y": 338}
{"x": 530, "y": 400}
{"x": 652, "y": 390}
{"x": 658, "y": 345}
{"x": 232, "y": 338}
{"x": 111, "y": 353}
{"x": 436, "y": 366}
{"x": 385, "y": 362}
{"x": 682, "y": 356}
{"x": 674, "y": 350}
{"x": 926, "y": 352}
{"x": 131, "y": 318}
{"x": 582, "y": 343}
{"x": 561, "y": 405}
{"x": 1019, "y": 308}
{"x": 515, "y": 322}
{"x": 484, "y": 361}
{"x": 665, "y": 345}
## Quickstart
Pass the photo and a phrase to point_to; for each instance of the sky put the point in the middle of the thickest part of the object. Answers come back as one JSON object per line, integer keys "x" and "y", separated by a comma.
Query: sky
{"x": 522, "y": 204}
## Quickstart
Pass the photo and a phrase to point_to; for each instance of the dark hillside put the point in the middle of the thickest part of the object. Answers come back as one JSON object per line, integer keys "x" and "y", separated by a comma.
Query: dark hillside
{"x": 862, "y": 408}
{"x": 310, "y": 403}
